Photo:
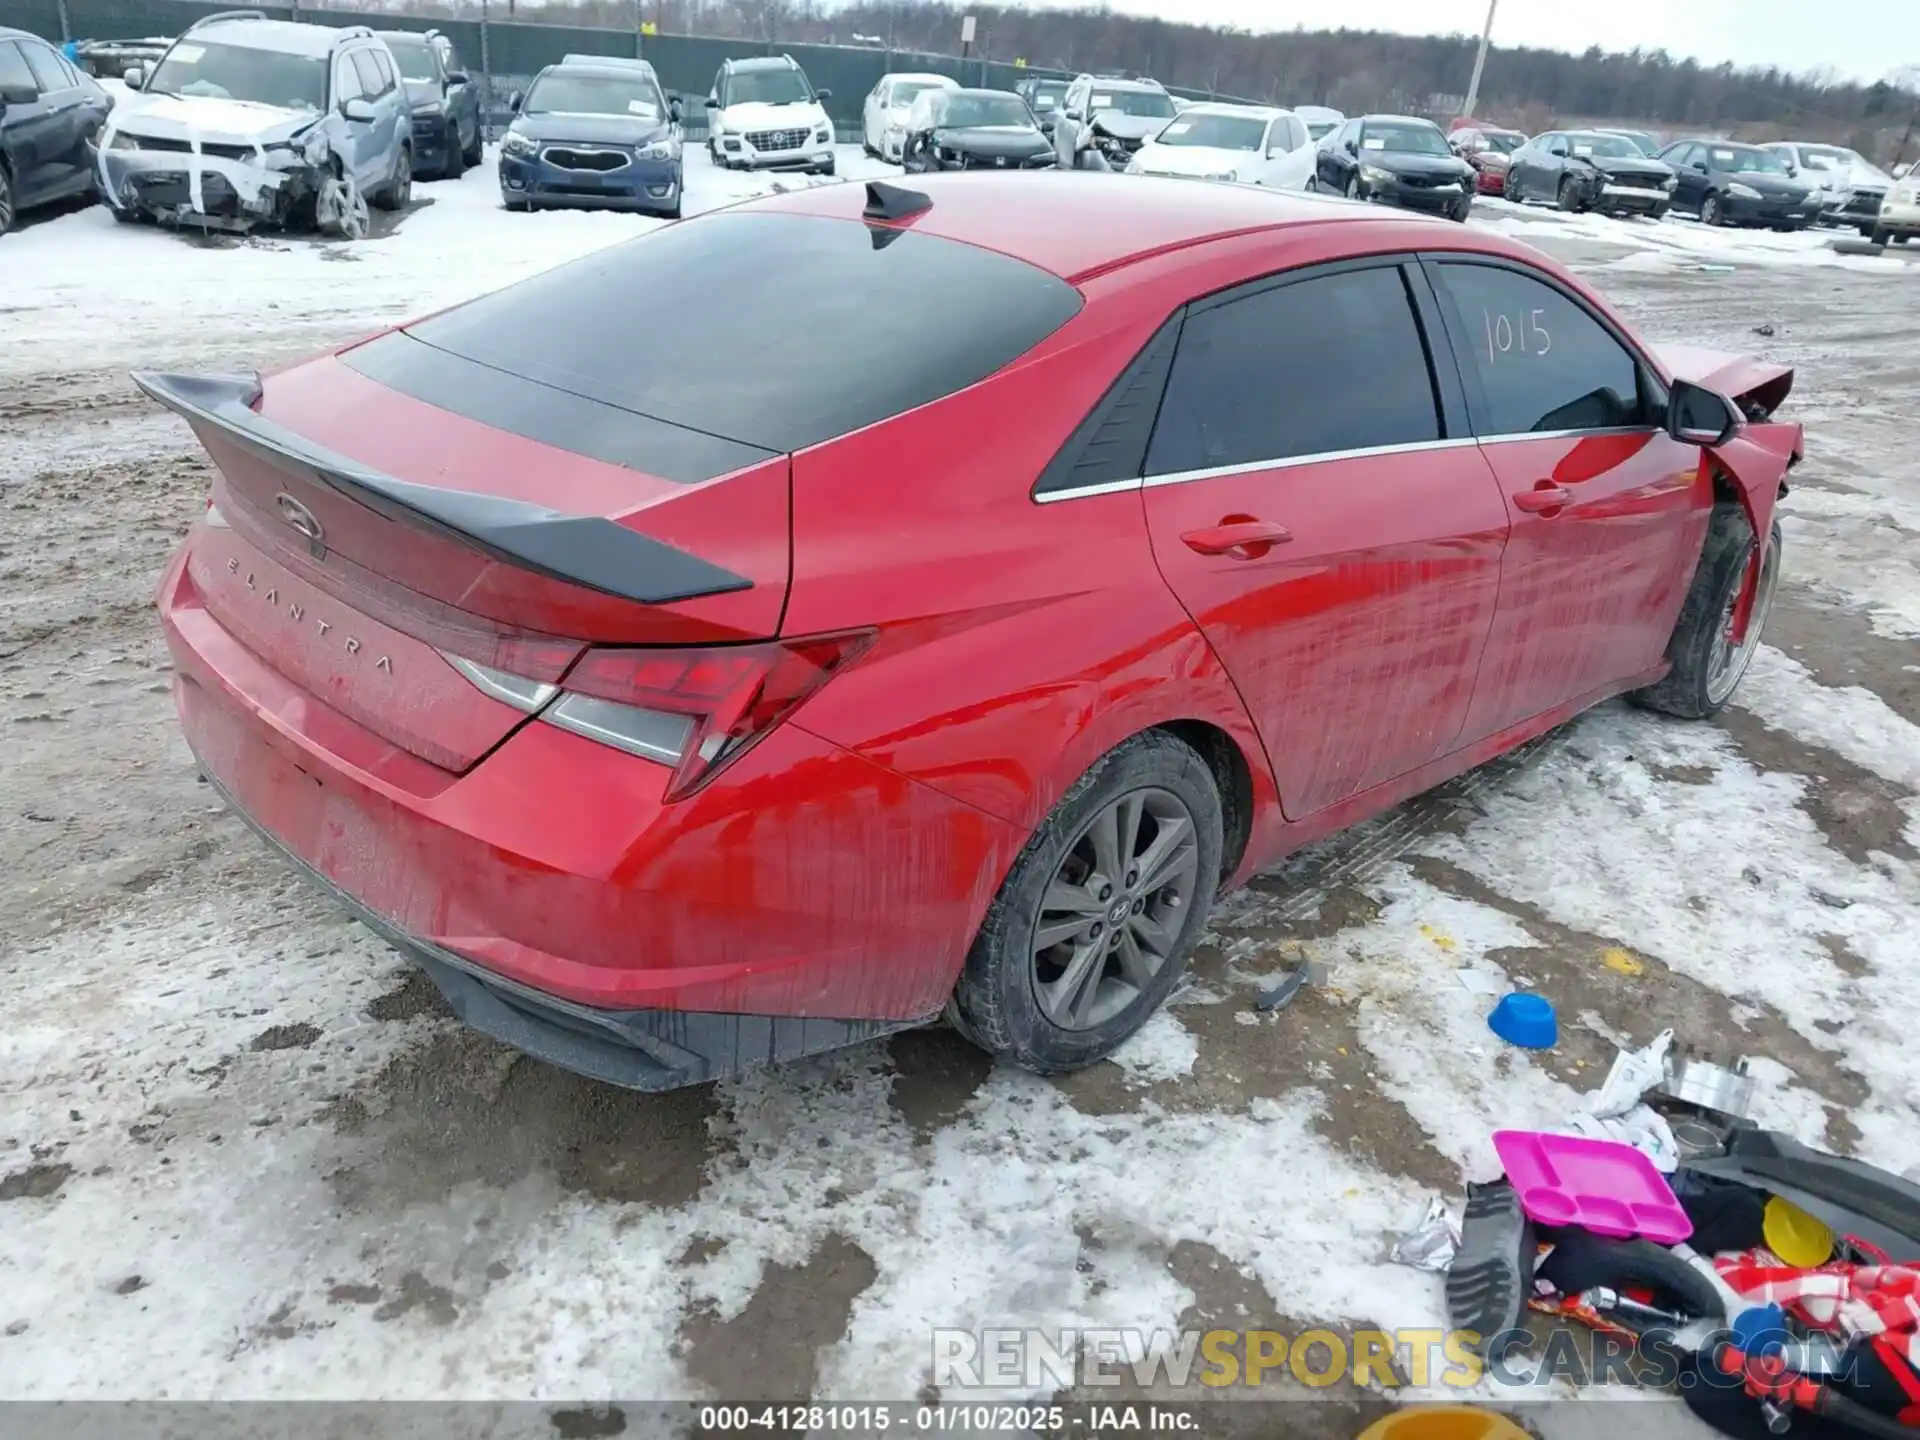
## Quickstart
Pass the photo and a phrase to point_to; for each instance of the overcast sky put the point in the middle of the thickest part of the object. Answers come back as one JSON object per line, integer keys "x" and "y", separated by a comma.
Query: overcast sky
{"x": 1862, "y": 39}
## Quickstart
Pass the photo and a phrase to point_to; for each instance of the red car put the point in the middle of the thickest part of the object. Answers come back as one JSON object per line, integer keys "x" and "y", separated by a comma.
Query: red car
{"x": 1488, "y": 150}
{"x": 864, "y": 604}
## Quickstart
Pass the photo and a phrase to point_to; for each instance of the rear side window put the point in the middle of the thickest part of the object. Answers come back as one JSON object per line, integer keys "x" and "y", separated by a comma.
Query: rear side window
{"x": 779, "y": 331}
{"x": 46, "y": 68}
{"x": 1536, "y": 360}
{"x": 1330, "y": 363}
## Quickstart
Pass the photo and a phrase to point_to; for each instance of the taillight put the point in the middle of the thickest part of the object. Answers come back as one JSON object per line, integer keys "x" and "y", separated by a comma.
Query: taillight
{"x": 696, "y": 709}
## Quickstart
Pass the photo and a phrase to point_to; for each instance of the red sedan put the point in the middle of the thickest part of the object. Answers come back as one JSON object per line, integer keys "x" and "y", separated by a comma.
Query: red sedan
{"x": 1489, "y": 151}
{"x": 864, "y": 604}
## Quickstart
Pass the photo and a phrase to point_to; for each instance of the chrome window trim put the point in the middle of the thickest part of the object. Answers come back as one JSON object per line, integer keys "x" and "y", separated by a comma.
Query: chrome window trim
{"x": 1509, "y": 437}
{"x": 1321, "y": 457}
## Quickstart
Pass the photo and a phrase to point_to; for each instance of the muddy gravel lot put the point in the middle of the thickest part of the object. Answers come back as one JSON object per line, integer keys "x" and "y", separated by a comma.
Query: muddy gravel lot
{"x": 244, "y": 1150}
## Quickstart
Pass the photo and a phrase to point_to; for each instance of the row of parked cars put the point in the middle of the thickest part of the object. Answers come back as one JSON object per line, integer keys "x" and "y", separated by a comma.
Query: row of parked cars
{"x": 1785, "y": 184}
{"x": 241, "y": 120}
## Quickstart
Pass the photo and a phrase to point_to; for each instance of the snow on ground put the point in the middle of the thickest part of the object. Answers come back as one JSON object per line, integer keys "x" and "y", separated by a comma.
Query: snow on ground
{"x": 1678, "y": 243}
{"x": 244, "y": 1153}
{"x": 120, "y": 290}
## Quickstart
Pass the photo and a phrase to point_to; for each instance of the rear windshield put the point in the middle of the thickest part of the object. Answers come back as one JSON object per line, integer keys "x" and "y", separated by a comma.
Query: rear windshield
{"x": 778, "y": 331}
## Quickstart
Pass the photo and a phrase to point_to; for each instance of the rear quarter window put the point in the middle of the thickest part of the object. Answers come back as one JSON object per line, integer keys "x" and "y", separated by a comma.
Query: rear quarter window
{"x": 778, "y": 331}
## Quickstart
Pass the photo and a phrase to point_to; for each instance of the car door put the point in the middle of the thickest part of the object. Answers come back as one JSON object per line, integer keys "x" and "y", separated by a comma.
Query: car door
{"x": 74, "y": 118}
{"x": 1286, "y": 158}
{"x": 872, "y": 131}
{"x": 1606, "y": 512}
{"x": 1066, "y": 133}
{"x": 1328, "y": 522}
{"x": 380, "y": 134}
{"x": 1691, "y": 190}
{"x": 35, "y": 131}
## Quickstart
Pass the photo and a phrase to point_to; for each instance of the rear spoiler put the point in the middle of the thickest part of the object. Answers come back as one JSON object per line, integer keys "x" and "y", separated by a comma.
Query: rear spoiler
{"x": 591, "y": 551}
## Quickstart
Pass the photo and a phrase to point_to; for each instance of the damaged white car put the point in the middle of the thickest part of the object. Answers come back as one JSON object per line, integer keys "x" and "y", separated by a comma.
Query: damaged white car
{"x": 248, "y": 121}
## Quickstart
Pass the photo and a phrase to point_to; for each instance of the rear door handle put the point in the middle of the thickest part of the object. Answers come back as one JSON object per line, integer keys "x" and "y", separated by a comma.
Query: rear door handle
{"x": 1544, "y": 496}
{"x": 1240, "y": 536}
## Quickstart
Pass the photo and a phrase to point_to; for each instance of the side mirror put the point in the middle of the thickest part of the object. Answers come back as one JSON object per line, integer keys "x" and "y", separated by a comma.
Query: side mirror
{"x": 1353, "y": 147}
{"x": 359, "y": 110}
{"x": 134, "y": 76}
{"x": 1701, "y": 166}
{"x": 1699, "y": 416}
{"x": 712, "y": 102}
{"x": 17, "y": 95}
{"x": 673, "y": 109}
{"x": 1277, "y": 152}
{"x": 513, "y": 101}
{"x": 459, "y": 77}
{"x": 823, "y": 94}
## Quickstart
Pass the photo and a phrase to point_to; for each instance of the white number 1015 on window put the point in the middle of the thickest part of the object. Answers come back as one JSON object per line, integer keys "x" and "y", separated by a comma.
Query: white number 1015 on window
{"x": 1522, "y": 332}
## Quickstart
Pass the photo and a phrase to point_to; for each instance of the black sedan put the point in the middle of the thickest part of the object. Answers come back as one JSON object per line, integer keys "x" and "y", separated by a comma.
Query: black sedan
{"x": 49, "y": 116}
{"x": 1729, "y": 184}
{"x": 1396, "y": 159}
{"x": 1590, "y": 170}
{"x": 973, "y": 130}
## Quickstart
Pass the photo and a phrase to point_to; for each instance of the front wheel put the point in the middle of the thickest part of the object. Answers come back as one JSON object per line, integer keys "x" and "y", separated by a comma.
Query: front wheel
{"x": 6, "y": 200}
{"x": 1707, "y": 662}
{"x": 1568, "y": 195}
{"x": 1713, "y": 211}
{"x": 1460, "y": 211}
{"x": 1353, "y": 187}
{"x": 1095, "y": 920}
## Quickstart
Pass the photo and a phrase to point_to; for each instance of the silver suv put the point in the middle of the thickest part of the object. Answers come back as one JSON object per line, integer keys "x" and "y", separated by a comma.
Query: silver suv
{"x": 320, "y": 129}
{"x": 1104, "y": 120}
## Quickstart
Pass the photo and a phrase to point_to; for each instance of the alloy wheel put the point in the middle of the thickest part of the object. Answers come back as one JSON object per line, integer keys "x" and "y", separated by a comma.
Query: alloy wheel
{"x": 6, "y": 202}
{"x": 1110, "y": 919}
{"x": 1728, "y": 662}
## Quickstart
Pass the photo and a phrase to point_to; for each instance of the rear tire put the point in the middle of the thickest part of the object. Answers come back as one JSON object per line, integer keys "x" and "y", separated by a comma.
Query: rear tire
{"x": 1460, "y": 212}
{"x": 1124, "y": 938}
{"x": 395, "y": 194}
{"x": 1706, "y": 671}
{"x": 456, "y": 162}
{"x": 6, "y": 200}
{"x": 477, "y": 151}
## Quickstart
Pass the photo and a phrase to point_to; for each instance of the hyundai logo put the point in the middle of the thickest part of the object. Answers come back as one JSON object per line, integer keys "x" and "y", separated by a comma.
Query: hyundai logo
{"x": 299, "y": 517}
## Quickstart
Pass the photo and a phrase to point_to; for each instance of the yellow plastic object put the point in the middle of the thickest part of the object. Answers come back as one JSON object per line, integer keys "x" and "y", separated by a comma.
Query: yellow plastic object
{"x": 1443, "y": 1422}
{"x": 1795, "y": 1236}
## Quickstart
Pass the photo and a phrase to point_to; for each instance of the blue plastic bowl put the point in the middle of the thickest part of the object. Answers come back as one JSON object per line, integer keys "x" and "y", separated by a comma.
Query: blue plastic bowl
{"x": 1526, "y": 1020}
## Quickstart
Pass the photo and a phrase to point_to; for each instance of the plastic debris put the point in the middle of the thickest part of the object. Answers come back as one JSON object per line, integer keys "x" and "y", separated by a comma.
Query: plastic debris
{"x": 1633, "y": 1074}
{"x": 1432, "y": 1241}
{"x": 1525, "y": 1020}
{"x": 1616, "y": 1110}
{"x": 1278, "y": 997}
{"x": 1622, "y": 962}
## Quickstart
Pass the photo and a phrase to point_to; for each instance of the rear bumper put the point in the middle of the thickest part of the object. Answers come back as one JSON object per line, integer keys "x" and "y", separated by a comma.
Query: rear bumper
{"x": 651, "y": 1050}
{"x": 803, "y": 882}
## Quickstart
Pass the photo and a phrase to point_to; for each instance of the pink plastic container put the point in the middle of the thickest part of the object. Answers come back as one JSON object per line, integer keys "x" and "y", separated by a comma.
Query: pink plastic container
{"x": 1604, "y": 1186}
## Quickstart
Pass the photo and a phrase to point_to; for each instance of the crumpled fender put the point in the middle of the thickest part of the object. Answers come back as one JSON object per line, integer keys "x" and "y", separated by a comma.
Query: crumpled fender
{"x": 1758, "y": 455}
{"x": 1756, "y": 460}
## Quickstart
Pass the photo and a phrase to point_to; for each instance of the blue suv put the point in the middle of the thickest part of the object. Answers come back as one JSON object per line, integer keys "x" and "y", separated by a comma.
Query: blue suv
{"x": 594, "y": 131}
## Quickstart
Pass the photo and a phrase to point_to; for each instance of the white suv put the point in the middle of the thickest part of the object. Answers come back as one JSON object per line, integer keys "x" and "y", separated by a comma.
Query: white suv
{"x": 764, "y": 115}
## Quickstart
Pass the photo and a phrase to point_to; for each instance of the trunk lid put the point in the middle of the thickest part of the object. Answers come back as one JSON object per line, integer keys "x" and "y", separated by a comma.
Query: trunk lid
{"x": 398, "y": 560}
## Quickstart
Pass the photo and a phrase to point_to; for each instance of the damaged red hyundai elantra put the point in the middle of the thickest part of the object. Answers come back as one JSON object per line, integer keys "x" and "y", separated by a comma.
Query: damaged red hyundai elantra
{"x": 864, "y": 604}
